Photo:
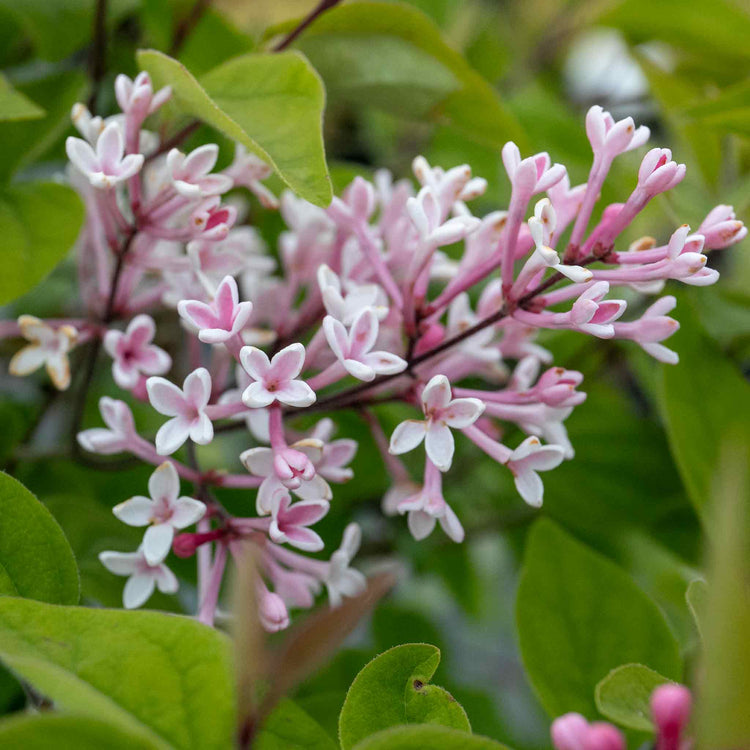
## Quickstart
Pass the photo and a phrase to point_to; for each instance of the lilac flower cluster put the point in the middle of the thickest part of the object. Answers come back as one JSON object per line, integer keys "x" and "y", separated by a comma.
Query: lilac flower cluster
{"x": 361, "y": 304}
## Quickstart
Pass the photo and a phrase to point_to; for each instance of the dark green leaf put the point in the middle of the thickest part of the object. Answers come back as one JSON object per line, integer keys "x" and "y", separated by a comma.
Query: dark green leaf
{"x": 624, "y": 695}
{"x": 39, "y": 223}
{"x": 272, "y": 104}
{"x": 15, "y": 106}
{"x": 166, "y": 679}
{"x": 393, "y": 689}
{"x": 580, "y": 616}
{"x": 35, "y": 558}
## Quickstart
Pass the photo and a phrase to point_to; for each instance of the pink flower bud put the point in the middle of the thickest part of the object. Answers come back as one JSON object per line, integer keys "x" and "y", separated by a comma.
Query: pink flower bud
{"x": 185, "y": 545}
{"x": 670, "y": 707}
{"x": 721, "y": 228}
{"x": 603, "y": 736}
{"x": 569, "y": 731}
{"x": 272, "y": 611}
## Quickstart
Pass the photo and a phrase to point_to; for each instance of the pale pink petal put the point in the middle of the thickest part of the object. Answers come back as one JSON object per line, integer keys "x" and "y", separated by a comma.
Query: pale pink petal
{"x": 138, "y": 511}
{"x": 116, "y": 415}
{"x": 112, "y": 341}
{"x": 157, "y": 541}
{"x": 81, "y": 155}
{"x": 201, "y": 430}
{"x": 546, "y": 458}
{"x": 165, "y": 397}
{"x": 99, "y": 440}
{"x": 138, "y": 589}
{"x": 166, "y": 580}
{"x": 267, "y": 495}
{"x": 451, "y": 525}
{"x": 254, "y": 362}
{"x": 197, "y": 387}
{"x": 172, "y": 435}
{"x": 58, "y": 368}
{"x": 314, "y": 489}
{"x": 164, "y": 484}
{"x": 287, "y": 364}
{"x": 200, "y": 161}
{"x": 420, "y": 524}
{"x": 256, "y": 396}
{"x": 359, "y": 370}
{"x": 258, "y": 461}
{"x": 439, "y": 445}
{"x": 198, "y": 313}
{"x": 27, "y": 360}
{"x": 305, "y": 513}
{"x": 226, "y": 299}
{"x": 109, "y": 148}
{"x": 187, "y": 511}
{"x": 436, "y": 394}
{"x": 141, "y": 331}
{"x": 303, "y": 538}
{"x": 336, "y": 336}
{"x": 120, "y": 563}
{"x": 407, "y": 436}
{"x": 529, "y": 486}
{"x": 363, "y": 333}
{"x": 462, "y": 412}
{"x": 296, "y": 393}
{"x": 384, "y": 363}
{"x": 153, "y": 361}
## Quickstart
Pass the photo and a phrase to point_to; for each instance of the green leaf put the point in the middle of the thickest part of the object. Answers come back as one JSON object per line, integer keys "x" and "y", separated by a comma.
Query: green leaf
{"x": 290, "y": 728}
{"x": 166, "y": 679}
{"x": 35, "y": 558}
{"x": 722, "y": 719}
{"x": 422, "y": 736}
{"x": 412, "y": 58}
{"x": 697, "y": 601}
{"x": 272, "y": 104}
{"x": 24, "y": 142}
{"x": 728, "y": 111}
{"x": 580, "y": 616}
{"x": 624, "y": 695}
{"x": 62, "y": 732}
{"x": 701, "y": 400}
{"x": 14, "y": 105}
{"x": 39, "y": 223}
{"x": 392, "y": 689}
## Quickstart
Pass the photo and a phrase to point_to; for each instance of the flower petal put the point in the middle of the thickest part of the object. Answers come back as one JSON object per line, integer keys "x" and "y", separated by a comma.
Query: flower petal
{"x": 187, "y": 511}
{"x": 164, "y": 483}
{"x": 436, "y": 394}
{"x": 287, "y": 364}
{"x": 120, "y": 563}
{"x": 138, "y": 589}
{"x": 165, "y": 397}
{"x": 420, "y": 524}
{"x": 157, "y": 541}
{"x": 439, "y": 445}
{"x": 529, "y": 486}
{"x": 296, "y": 393}
{"x": 462, "y": 412}
{"x": 407, "y": 436}
{"x": 172, "y": 435}
{"x": 138, "y": 511}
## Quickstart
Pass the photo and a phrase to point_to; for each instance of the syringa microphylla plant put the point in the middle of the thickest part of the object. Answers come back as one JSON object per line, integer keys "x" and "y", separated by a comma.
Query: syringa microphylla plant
{"x": 364, "y": 306}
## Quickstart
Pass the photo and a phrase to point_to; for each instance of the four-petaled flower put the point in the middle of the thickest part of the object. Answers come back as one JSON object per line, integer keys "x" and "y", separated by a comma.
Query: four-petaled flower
{"x": 121, "y": 433}
{"x": 275, "y": 379}
{"x": 342, "y": 580}
{"x": 163, "y": 512}
{"x": 186, "y": 406}
{"x": 107, "y": 166}
{"x": 190, "y": 174}
{"x": 133, "y": 353}
{"x": 48, "y": 347}
{"x": 143, "y": 577}
{"x": 352, "y": 348}
{"x": 526, "y": 460}
{"x": 221, "y": 319}
{"x": 290, "y": 521}
{"x": 441, "y": 414}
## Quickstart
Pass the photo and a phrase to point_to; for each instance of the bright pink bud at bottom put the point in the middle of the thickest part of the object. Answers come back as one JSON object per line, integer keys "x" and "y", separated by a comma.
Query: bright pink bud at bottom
{"x": 603, "y": 736}
{"x": 670, "y": 706}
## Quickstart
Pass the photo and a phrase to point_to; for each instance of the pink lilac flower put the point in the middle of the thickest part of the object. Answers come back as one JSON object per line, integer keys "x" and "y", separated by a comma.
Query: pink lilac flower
{"x": 341, "y": 579}
{"x": 529, "y": 458}
{"x": 275, "y": 380}
{"x": 345, "y": 303}
{"x": 190, "y": 174}
{"x": 162, "y": 512}
{"x": 220, "y": 320}
{"x": 573, "y": 732}
{"x": 721, "y": 228}
{"x": 353, "y": 348}
{"x": 441, "y": 413}
{"x": 290, "y": 521}
{"x": 143, "y": 577}
{"x": 186, "y": 406}
{"x": 119, "y": 434}
{"x": 247, "y": 170}
{"x": 134, "y": 354}
{"x": 48, "y": 348}
{"x": 137, "y": 97}
{"x": 106, "y": 166}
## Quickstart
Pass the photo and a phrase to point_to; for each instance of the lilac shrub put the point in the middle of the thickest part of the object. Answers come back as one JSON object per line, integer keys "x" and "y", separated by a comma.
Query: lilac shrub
{"x": 365, "y": 305}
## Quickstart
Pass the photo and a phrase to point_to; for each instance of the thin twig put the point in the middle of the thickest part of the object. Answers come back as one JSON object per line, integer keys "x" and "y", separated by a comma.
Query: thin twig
{"x": 187, "y": 25}
{"x": 321, "y": 8}
{"x": 98, "y": 56}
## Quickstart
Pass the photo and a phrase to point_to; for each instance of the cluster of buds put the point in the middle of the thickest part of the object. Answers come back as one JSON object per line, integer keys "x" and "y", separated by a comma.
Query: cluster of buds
{"x": 671, "y": 705}
{"x": 361, "y": 303}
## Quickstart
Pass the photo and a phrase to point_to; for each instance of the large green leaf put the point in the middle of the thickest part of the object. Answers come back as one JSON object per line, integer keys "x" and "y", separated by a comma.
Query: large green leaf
{"x": 14, "y": 105}
{"x": 39, "y": 223}
{"x": 394, "y": 57}
{"x": 290, "y": 728}
{"x": 166, "y": 679}
{"x": 422, "y": 736}
{"x": 35, "y": 558}
{"x": 624, "y": 695}
{"x": 392, "y": 689}
{"x": 272, "y": 104}
{"x": 580, "y": 616}
{"x": 44, "y": 731}
{"x": 701, "y": 400}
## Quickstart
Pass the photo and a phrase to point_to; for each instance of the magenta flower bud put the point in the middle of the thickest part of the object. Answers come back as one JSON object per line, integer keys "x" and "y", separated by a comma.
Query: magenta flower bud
{"x": 568, "y": 732}
{"x": 603, "y": 736}
{"x": 185, "y": 545}
{"x": 670, "y": 707}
